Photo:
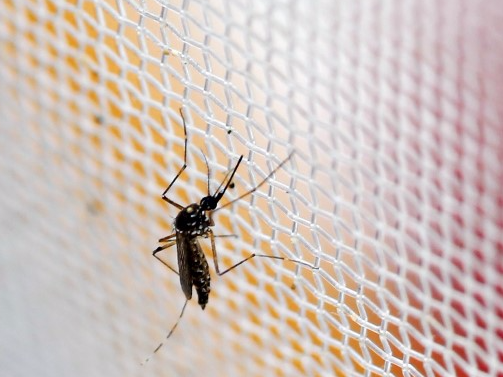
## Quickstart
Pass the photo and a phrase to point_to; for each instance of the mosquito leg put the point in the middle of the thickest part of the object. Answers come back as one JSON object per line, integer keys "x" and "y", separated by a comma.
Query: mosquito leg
{"x": 270, "y": 257}
{"x": 166, "y": 239}
{"x": 160, "y": 248}
{"x": 217, "y": 268}
{"x": 167, "y": 336}
{"x": 164, "y": 197}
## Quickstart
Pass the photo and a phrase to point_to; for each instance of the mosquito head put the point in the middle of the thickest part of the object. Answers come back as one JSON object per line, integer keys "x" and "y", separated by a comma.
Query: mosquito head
{"x": 209, "y": 203}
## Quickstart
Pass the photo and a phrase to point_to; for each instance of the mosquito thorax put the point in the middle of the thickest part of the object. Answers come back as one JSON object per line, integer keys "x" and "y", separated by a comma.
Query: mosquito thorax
{"x": 191, "y": 218}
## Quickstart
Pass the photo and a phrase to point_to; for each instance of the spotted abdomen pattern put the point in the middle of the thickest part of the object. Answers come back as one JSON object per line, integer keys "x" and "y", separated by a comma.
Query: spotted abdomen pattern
{"x": 200, "y": 273}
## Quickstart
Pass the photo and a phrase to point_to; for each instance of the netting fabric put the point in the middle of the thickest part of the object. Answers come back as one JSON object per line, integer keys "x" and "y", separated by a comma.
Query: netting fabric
{"x": 394, "y": 191}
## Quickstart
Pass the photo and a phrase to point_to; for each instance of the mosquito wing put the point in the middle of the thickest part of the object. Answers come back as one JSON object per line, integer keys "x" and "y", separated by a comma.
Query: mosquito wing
{"x": 183, "y": 252}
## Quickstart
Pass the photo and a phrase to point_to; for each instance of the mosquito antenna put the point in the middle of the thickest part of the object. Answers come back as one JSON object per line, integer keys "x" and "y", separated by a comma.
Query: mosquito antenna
{"x": 167, "y": 336}
{"x": 223, "y": 181}
{"x": 185, "y": 134}
{"x": 220, "y": 194}
{"x": 207, "y": 169}
{"x": 256, "y": 187}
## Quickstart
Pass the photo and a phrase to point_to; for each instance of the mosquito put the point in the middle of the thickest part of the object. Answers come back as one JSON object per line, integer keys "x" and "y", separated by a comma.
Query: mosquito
{"x": 194, "y": 221}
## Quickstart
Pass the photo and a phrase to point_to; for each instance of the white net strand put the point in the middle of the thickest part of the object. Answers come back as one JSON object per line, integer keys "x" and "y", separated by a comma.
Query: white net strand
{"x": 394, "y": 112}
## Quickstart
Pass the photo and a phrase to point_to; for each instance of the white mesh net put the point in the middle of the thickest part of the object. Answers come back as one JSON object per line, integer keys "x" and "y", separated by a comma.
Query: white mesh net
{"x": 394, "y": 111}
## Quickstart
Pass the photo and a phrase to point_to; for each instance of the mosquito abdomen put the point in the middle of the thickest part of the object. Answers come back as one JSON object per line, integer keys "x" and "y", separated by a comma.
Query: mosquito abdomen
{"x": 200, "y": 273}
